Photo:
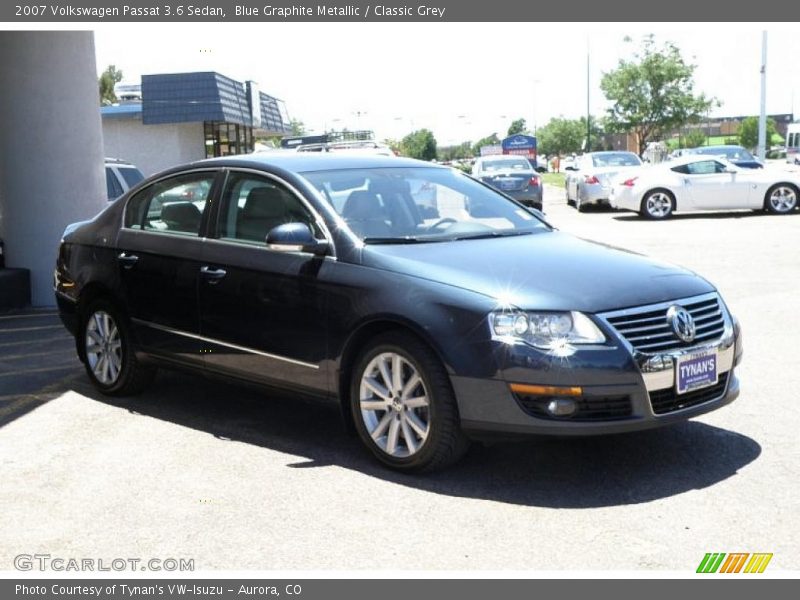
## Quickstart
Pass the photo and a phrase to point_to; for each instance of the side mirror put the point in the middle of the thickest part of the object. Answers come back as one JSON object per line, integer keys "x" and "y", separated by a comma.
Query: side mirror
{"x": 296, "y": 237}
{"x": 570, "y": 168}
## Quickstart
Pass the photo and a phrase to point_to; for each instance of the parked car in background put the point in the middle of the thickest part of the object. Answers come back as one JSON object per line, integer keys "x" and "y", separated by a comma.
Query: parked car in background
{"x": 428, "y": 332}
{"x": 735, "y": 154}
{"x": 697, "y": 182}
{"x": 589, "y": 183}
{"x": 120, "y": 177}
{"x": 792, "y": 148}
{"x": 512, "y": 175}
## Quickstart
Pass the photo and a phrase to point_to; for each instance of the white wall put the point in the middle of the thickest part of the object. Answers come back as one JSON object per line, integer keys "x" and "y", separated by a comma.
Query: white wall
{"x": 153, "y": 148}
{"x": 51, "y": 161}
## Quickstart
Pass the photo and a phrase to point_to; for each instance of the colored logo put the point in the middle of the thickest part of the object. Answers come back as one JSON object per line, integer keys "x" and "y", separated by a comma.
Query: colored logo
{"x": 735, "y": 562}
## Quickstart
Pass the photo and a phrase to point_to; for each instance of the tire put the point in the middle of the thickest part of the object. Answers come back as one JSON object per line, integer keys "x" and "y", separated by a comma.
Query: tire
{"x": 110, "y": 360}
{"x": 569, "y": 200}
{"x": 408, "y": 421}
{"x": 657, "y": 205}
{"x": 781, "y": 199}
{"x": 579, "y": 206}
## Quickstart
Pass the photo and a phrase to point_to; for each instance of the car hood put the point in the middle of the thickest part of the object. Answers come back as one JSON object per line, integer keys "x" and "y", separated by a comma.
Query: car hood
{"x": 545, "y": 271}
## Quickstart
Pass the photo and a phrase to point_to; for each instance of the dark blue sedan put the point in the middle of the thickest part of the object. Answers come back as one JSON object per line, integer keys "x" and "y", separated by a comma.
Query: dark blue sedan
{"x": 735, "y": 154}
{"x": 433, "y": 309}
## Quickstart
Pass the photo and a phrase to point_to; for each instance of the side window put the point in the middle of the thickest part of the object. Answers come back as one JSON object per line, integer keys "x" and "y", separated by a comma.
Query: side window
{"x": 704, "y": 167}
{"x": 113, "y": 188}
{"x": 252, "y": 206}
{"x": 173, "y": 205}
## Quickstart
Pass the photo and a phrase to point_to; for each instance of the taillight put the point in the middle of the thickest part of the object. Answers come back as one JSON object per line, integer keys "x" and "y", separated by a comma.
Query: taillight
{"x": 534, "y": 180}
{"x": 590, "y": 179}
{"x": 630, "y": 182}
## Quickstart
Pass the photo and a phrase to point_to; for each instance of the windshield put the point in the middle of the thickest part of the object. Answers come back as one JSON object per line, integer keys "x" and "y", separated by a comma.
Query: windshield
{"x": 420, "y": 204}
{"x": 616, "y": 159}
{"x": 506, "y": 164}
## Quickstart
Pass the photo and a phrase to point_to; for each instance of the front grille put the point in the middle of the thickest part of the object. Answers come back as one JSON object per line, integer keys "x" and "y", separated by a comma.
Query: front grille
{"x": 589, "y": 409}
{"x": 647, "y": 330}
{"x": 667, "y": 400}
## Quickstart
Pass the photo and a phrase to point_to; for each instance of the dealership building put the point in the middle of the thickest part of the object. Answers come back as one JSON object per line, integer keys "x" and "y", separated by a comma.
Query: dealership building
{"x": 52, "y": 145}
{"x": 183, "y": 117}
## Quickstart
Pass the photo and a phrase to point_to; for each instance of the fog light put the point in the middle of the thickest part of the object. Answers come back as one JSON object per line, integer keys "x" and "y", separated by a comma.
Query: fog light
{"x": 561, "y": 407}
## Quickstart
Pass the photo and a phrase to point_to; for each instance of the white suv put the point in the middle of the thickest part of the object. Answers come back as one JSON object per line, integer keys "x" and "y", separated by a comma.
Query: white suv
{"x": 120, "y": 177}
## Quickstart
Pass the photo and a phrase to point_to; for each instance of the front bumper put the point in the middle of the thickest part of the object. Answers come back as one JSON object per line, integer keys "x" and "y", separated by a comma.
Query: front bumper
{"x": 622, "y": 390}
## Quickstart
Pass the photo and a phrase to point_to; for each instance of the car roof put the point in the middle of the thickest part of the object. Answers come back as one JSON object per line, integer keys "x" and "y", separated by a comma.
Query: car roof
{"x": 315, "y": 161}
{"x": 716, "y": 147}
{"x": 603, "y": 152}
{"x": 501, "y": 156}
{"x": 691, "y": 158}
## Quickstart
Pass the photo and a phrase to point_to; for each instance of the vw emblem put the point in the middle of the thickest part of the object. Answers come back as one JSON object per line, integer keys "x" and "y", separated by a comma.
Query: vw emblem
{"x": 681, "y": 322}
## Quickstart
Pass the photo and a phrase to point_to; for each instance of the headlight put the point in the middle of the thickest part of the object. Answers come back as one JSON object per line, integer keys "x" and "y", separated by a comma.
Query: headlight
{"x": 545, "y": 329}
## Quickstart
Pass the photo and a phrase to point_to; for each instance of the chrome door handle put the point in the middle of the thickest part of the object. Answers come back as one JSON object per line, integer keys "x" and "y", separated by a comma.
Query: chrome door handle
{"x": 127, "y": 260}
{"x": 213, "y": 275}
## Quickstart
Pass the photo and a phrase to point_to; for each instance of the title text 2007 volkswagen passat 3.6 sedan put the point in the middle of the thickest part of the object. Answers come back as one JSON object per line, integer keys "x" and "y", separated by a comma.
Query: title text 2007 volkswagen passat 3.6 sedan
{"x": 434, "y": 309}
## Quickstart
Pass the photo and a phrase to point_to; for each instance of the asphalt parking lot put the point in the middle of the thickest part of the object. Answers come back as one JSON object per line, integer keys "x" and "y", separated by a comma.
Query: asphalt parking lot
{"x": 239, "y": 479}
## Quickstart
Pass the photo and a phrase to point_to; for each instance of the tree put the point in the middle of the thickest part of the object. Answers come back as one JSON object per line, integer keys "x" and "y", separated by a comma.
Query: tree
{"x": 748, "y": 132}
{"x": 106, "y": 83}
{"x": 457, "y": 152}
{"x": 693, "y": 138}
{"x": 419, "y": 144}
{"x": 561, "y": 136}
{"x": 517, "y": 126}
{"x": 653, "y": 93}
{"x": 297, "y": 127}
{"x": 489, "y": 140}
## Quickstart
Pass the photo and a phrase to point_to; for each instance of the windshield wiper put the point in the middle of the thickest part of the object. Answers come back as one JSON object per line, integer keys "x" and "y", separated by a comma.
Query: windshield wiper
{"x": 398, "y": 240}
{"x": 490, "y": 234}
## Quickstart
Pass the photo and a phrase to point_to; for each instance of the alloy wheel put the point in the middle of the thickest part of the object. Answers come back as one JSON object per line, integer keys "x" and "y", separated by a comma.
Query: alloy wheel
{"x": 658, "y": 205}
{"x": 103, "y": 347}
{"x": 782, "y": 199}
{"x": 394, "y": 405}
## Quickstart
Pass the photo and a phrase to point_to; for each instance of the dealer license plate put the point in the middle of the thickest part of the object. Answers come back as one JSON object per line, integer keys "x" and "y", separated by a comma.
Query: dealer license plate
{"x": 696, "y": 371}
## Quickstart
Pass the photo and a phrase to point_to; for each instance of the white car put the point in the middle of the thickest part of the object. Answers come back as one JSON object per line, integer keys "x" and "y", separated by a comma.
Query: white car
{"x": 589, "y": 180}
{"x": 696, "y": 182}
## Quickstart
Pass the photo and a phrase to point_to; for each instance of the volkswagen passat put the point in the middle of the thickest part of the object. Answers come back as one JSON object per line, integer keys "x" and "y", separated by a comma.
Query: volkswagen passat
{"x": 431, "y": 321}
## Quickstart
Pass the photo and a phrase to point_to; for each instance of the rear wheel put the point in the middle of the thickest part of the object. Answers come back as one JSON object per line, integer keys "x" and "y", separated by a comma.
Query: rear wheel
{"x": 403, "y": 406}
{"x": 781, "y": 199}
{"x": 110, "y": 359}
{"x": 657, "y": 204}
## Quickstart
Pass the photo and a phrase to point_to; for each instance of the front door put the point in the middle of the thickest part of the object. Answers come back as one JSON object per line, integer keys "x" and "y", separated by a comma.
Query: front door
{"x": 262, "y": 311}
{"x": 711, "y": 187}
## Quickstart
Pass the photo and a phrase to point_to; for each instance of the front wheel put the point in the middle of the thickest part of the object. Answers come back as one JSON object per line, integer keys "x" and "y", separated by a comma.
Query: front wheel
{"x": 403, "y": 406}
{"x": 658, "y": 204}
{"x": 781, "y": 199}
{"x": 110, "y": 359}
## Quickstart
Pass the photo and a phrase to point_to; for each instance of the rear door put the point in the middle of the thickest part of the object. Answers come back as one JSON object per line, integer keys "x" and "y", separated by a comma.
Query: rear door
{"x": 160, "y": 249}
